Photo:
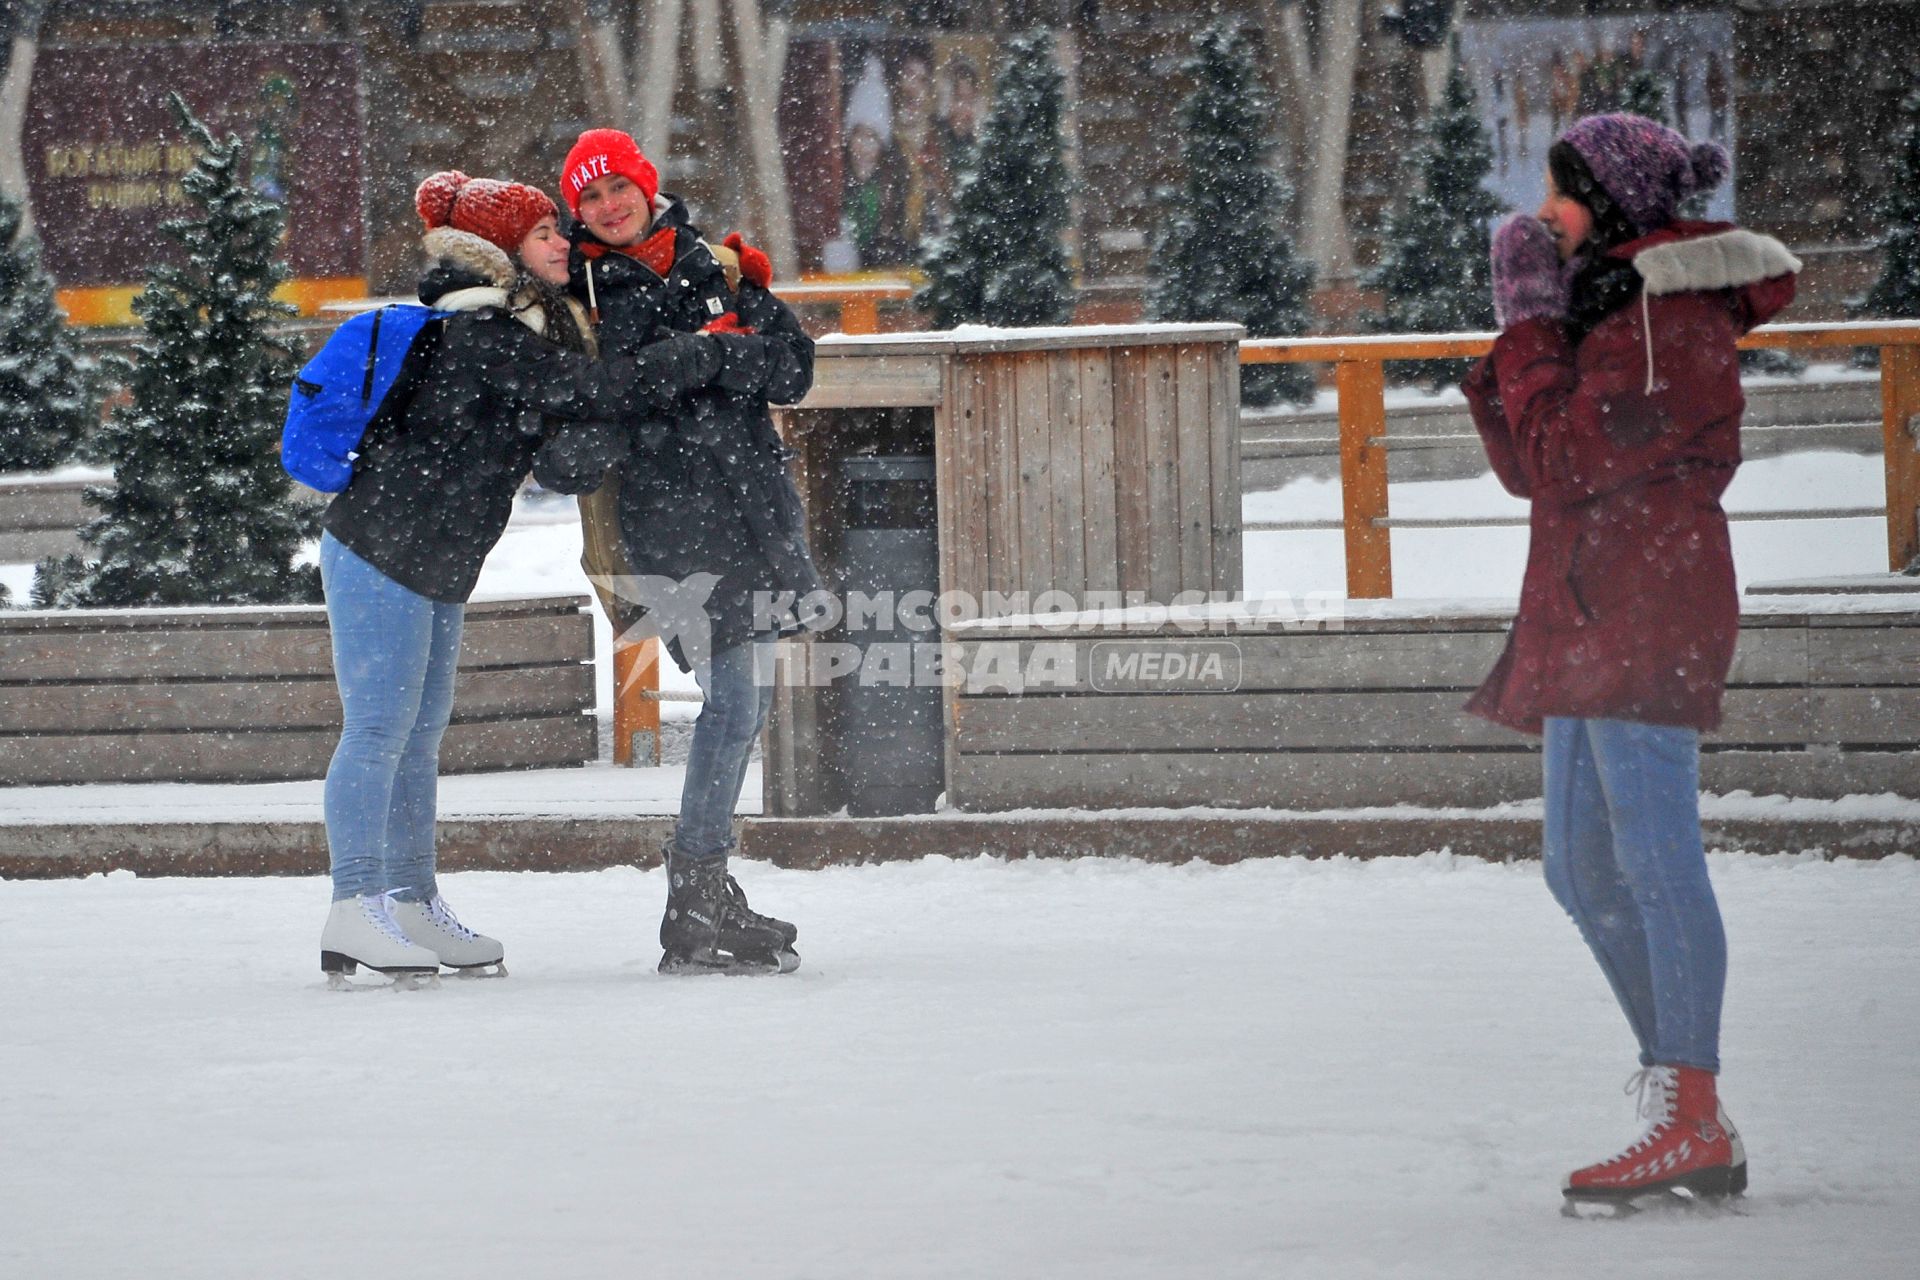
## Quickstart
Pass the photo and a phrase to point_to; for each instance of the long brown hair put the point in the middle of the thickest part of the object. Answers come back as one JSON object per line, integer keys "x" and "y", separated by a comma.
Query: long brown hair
{"x": 1602, "y": 284}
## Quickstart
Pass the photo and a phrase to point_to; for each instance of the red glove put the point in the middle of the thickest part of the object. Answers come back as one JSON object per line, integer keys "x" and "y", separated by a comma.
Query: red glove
{"x": 754, "y": 265}
{"x": 728, "y": 323}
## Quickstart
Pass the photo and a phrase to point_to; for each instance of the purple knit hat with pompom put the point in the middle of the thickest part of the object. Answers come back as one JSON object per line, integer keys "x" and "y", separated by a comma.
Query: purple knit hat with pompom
{"x": 1646, "y": 167}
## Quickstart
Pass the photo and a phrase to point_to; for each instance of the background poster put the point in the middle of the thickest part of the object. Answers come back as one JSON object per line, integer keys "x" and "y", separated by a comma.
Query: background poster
{"x": 875, "y": 131}
{"x": 1534, "y": 78}
{"x": 104, "y": 160}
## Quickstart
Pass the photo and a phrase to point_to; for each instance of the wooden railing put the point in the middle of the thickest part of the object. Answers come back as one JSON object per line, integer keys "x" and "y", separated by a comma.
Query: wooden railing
{"x": 1360, "y": 381}
{"x": 859, "y": 303}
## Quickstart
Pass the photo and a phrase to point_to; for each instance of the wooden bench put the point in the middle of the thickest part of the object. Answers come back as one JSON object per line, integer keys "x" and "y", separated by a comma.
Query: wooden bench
{"x": 247, "y": 694}
{"x": 40, "y": 517}
{"x": 1824, "y": 701}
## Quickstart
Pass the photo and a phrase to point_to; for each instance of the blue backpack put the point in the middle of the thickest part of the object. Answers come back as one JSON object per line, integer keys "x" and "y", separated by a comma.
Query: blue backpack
{"x": 345, "y": 387}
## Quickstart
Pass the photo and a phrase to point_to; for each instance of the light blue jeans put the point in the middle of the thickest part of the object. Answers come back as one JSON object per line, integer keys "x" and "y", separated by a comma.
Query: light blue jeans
{"x": 1624, "y": 857}
{"x": 736, "y": 709}
{"x": 395, "y": 654}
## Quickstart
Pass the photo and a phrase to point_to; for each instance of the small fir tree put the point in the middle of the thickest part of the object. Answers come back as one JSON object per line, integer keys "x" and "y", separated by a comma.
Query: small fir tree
{"x": 1645, "y": 94}
{"x": 1002, "y": 259}
{"x": 1433, "y": 268}
{"x": 200, "y": 511}
{"x": 46, "y": 400}
{"x": 1220, "y": 254}
{"x": 1896, "y": 293}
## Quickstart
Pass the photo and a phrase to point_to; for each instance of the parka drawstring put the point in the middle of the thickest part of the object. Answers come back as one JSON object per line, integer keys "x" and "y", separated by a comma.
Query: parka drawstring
{"x": 593, "y": 303}
{"x": 1646, "y": 327}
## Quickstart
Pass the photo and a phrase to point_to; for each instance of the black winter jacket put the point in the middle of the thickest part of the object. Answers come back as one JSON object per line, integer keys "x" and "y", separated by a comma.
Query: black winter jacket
{"x": 433, "y": 488}
{"x": 705, "y": 487}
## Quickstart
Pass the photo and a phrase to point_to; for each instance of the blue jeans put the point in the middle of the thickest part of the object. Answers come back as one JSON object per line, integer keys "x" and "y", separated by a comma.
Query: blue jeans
{"x": 394, "y": 656}
{"x": 736, "y": 708}
{"x": 1624, "y": 857}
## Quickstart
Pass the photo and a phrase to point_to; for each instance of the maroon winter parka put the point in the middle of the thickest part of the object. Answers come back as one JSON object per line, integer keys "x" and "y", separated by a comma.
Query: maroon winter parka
{"x": 1624, "y": 443}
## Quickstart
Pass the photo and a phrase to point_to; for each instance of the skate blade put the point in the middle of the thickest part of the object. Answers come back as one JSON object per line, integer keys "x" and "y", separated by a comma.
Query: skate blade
{"x": 739, "y": 966}
{"x": 405, "y": 980}
{"x": 1664, "y": 1201}
{"x": 480, "y": 972}
{"x": 339, "y": 970}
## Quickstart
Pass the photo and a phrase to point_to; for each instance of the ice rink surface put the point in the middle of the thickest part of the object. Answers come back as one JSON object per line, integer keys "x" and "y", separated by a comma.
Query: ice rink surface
{"x": 985, "y": 1069}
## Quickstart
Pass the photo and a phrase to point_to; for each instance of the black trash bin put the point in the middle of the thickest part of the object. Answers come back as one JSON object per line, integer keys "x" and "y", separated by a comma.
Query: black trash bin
{"x": 890, "y": 750}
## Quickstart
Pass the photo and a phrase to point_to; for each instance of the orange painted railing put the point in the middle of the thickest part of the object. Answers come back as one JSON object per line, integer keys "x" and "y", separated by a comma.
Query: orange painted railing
{"x": 1361, "y": 384}
{"x": 859, "y": 303}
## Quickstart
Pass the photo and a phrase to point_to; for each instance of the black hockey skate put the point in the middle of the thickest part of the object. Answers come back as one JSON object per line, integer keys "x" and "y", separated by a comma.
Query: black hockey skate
{"x": 788, "y": 932}
{"x": 707, "y": 927}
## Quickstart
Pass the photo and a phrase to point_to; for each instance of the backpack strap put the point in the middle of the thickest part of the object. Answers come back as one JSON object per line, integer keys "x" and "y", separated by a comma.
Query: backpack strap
{"x": 420, "y": 359}
{"x": 373, "y": 350}
{"x": 729, "y": 262}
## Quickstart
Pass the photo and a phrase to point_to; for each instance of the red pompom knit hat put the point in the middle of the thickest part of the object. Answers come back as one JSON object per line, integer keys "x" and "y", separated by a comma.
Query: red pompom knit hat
{"x": 501, "y": 213}
{"x": 599, "y": 152}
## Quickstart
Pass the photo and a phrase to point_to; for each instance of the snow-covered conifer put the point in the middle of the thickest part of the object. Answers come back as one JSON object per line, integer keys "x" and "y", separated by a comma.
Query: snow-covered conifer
{"x": 1645, "y": 94}
{"x": 199, "y": 511}
{"x": 1433, "y": 271}
{"x": 1896, "y": 293}
{"x": 46, "y": 401}
{"x": 1002, "y": 259}
{"x": 1220, "y": 254}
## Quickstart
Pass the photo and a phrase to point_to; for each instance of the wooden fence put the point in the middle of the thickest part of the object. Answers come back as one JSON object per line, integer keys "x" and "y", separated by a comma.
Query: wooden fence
{"x": 1365, "y": 710}
{"x": 247, "y": 694}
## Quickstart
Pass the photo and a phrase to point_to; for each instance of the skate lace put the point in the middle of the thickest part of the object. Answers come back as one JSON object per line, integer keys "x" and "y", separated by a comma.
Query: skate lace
{"x": 1657, "y": 1089}
{"x": 737, "y": 898}
{"x": 378, "y": 908}
{"x": 441, "y": 912}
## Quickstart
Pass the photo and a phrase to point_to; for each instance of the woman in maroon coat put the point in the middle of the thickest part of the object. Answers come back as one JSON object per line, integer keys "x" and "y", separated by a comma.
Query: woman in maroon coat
{"x": 1612, "y": 401}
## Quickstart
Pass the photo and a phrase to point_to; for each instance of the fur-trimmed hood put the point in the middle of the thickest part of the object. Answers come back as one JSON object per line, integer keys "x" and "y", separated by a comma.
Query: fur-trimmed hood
{"x": 468, "y": 273}
{"x": 468, "y": 252}
{"x": 481, "y": 274}
{"x": 1709, "y": 257}
{"x": 1730, "y": 259}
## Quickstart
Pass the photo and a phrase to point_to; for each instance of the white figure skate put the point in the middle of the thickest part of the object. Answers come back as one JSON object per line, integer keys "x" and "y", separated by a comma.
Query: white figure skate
{"x": 362, "y": 931}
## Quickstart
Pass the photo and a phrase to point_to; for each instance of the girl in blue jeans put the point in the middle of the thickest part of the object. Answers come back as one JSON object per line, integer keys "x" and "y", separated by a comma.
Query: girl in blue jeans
{"x": 1611, "y": 401}
{"x": 508, "y": 387}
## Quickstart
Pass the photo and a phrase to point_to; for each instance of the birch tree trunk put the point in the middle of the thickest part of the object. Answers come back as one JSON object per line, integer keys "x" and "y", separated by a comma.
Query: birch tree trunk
{"x": 13, "y": 118}
{"x": 651, "y": 99}
{"x": 1290, "y": 79}
{"x": 761, "y": 93}
{"x": 1434, "y": 65}
{"x": 1327, "y": 240}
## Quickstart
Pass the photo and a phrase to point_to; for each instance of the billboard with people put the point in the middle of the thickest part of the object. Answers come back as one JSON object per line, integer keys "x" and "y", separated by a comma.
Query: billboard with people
{"x": 882, "y": 128}
{"x": 1534, "y": 78}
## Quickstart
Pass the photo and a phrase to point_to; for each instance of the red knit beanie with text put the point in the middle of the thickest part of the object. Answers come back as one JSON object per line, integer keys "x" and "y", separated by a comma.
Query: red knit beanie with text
{"x": 499, "y": 212}
{"x": 599, "y": 152}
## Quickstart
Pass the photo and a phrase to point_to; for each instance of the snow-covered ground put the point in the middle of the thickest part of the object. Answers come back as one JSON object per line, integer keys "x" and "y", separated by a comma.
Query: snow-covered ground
{"x": 1031, "y": 1069}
